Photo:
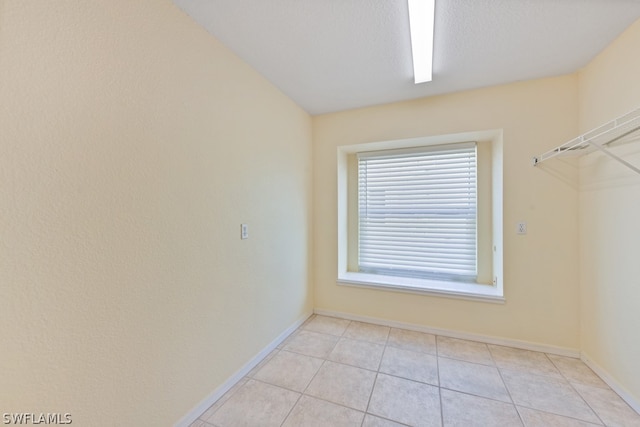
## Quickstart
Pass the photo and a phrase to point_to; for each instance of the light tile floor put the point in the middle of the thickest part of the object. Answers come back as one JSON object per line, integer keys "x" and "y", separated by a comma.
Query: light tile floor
{"x": 334, "y": 372}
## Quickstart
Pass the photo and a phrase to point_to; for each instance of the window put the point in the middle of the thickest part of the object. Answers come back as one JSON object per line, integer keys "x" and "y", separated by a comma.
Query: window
{"x": 417, "y": 212}
{"x": 423, "y": 215}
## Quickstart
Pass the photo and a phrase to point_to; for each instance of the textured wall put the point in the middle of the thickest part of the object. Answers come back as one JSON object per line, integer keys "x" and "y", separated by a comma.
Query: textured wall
{"x": 609, "y": 212}
{"x": 132, "y": 146}
{"x": 540, "y": 268}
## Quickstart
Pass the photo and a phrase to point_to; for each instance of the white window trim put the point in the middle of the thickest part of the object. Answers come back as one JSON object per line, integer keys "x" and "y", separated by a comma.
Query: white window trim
{"x": 470, "y": 291}
{"x": 461, "y": 290}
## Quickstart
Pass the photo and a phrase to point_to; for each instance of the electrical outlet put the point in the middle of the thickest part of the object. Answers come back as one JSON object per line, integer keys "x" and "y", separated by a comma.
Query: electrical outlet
{"x": 521, "y": 228}
{"x": 244, "y": 231}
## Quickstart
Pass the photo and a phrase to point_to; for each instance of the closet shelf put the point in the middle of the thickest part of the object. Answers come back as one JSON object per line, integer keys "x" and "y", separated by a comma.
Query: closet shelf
{"x": 623, "y": 129}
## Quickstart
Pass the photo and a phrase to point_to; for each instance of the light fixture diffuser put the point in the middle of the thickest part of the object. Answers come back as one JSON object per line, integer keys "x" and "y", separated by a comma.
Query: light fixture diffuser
{"x": 421, "y": 23}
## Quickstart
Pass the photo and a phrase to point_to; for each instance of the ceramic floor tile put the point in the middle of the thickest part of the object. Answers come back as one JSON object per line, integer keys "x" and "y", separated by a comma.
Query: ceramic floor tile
{"x": 610, "y": 407}
{"x": 262, "y": 363}
{"x": 327, "y": 325}
{"x": 218, "y": 404}
{"x": 533, "y": 418}
{"x": 478, "y": 380}
{"x": 289, "y": 370}
{"x": 523, "y": 360}
{"x": 411, "y": 365}
{"x": 312, "y": 412}
{"x": 576, "y": 371}
{"x": 463, "y": 410}
{"x": 547, "y": 394}
{"x": 255, "y": 404}
{"x": 289, "y": 338}
{"x": 371, "y": 421}
{"x": 367, "y": 332}
{"x": 306, "y": 322}
{"x": 312, "y": 344}
{"x": 412, "y": 340}
{"x": 469, "y": 351}
{"x": 472, "y": 378}
{"x": 406, "y": 401}
{"x": 342, "y": 384}
{"x": 362, "y": 354}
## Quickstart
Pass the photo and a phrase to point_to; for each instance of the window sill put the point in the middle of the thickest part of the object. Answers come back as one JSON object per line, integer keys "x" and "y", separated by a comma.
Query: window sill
{"x": 466, "y": 291}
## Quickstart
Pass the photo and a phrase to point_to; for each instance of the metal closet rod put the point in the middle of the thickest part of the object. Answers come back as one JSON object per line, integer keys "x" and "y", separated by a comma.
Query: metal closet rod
{"x": 629, "y": 123}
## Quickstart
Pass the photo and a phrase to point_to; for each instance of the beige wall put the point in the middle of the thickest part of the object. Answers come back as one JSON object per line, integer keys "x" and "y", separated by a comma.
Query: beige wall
{"x": 609, "y": 219}
{"x": 541, "y": 268}
{"x": 132, "y": 146}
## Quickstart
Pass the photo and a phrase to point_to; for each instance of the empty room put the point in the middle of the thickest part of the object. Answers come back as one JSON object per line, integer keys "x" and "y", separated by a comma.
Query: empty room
{"x": 320, "y": 213}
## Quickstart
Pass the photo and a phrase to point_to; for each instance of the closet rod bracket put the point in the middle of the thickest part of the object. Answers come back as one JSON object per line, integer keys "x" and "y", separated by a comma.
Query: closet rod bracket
{"x": 615, "y": 157}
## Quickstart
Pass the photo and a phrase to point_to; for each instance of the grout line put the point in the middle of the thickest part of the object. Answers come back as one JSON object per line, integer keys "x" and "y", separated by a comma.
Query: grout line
{"x": 495, "y": 363}
{"x": 276, "y": 385}
{"x": 504, "y": 383}
{"x": 375, "y": 381}
{"x": 242, "y": 383}
{"x": 313, "y": 377}
{"x": 540, "y": 410}
{"x": 334, "y": 403}
{"x": 520, "y": 416}
{"x": 477, "y": 395}
{"x": 611, "y": 383}
{"x": 581, "y": 397}
{"x": 506, "y": 387}
{"x": 439, "y": 384}
{"x": 557, "y": 415}
{"x": 212, "y": 399}
{"x": 466, "y": 361}
{"x": 225, "y": 398}
{"x": 252, "y": 373}
{"x": 388, "y": 419}
{"x": 485, "y": 339}
{"x": 554, "y": 365}
{"x": 291, "y": 410}
{"x": 384, "y": 351}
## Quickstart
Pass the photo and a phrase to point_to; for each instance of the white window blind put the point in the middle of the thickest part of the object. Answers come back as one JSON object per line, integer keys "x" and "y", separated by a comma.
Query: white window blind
{"x": 417, "y": 212}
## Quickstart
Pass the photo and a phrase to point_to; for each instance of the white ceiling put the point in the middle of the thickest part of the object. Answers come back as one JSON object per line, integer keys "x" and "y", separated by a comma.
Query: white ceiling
{"x": 332, "y": 55}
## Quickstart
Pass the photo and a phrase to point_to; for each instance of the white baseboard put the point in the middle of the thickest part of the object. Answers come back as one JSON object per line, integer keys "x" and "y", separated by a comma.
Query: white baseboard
{"x": 241, "y": 373}
{"x": 611, "y": 382}
{"x": 525, "y": 345}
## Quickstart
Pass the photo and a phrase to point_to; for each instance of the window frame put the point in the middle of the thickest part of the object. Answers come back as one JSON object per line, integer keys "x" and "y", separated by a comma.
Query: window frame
{"x": 490, "y": 290}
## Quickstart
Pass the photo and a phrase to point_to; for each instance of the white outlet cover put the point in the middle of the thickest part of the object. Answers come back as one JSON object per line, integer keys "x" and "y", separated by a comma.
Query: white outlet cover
{"x": 521, "y": 228}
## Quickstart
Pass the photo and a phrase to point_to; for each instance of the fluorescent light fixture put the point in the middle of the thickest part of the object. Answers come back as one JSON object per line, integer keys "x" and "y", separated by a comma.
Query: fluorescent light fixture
{"x": 421, "y": 18}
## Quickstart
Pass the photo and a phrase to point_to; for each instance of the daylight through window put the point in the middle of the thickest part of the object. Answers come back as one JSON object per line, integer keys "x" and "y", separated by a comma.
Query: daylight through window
{"x": 417, "y": 212}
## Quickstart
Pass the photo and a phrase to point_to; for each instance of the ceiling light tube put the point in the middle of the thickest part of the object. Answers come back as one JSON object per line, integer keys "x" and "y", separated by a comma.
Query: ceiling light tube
{"x": 421, "y": 22}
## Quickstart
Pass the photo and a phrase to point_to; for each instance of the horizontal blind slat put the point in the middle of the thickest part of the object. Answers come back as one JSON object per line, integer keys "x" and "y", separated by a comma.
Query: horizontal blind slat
{"x": 417, "y": 212}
